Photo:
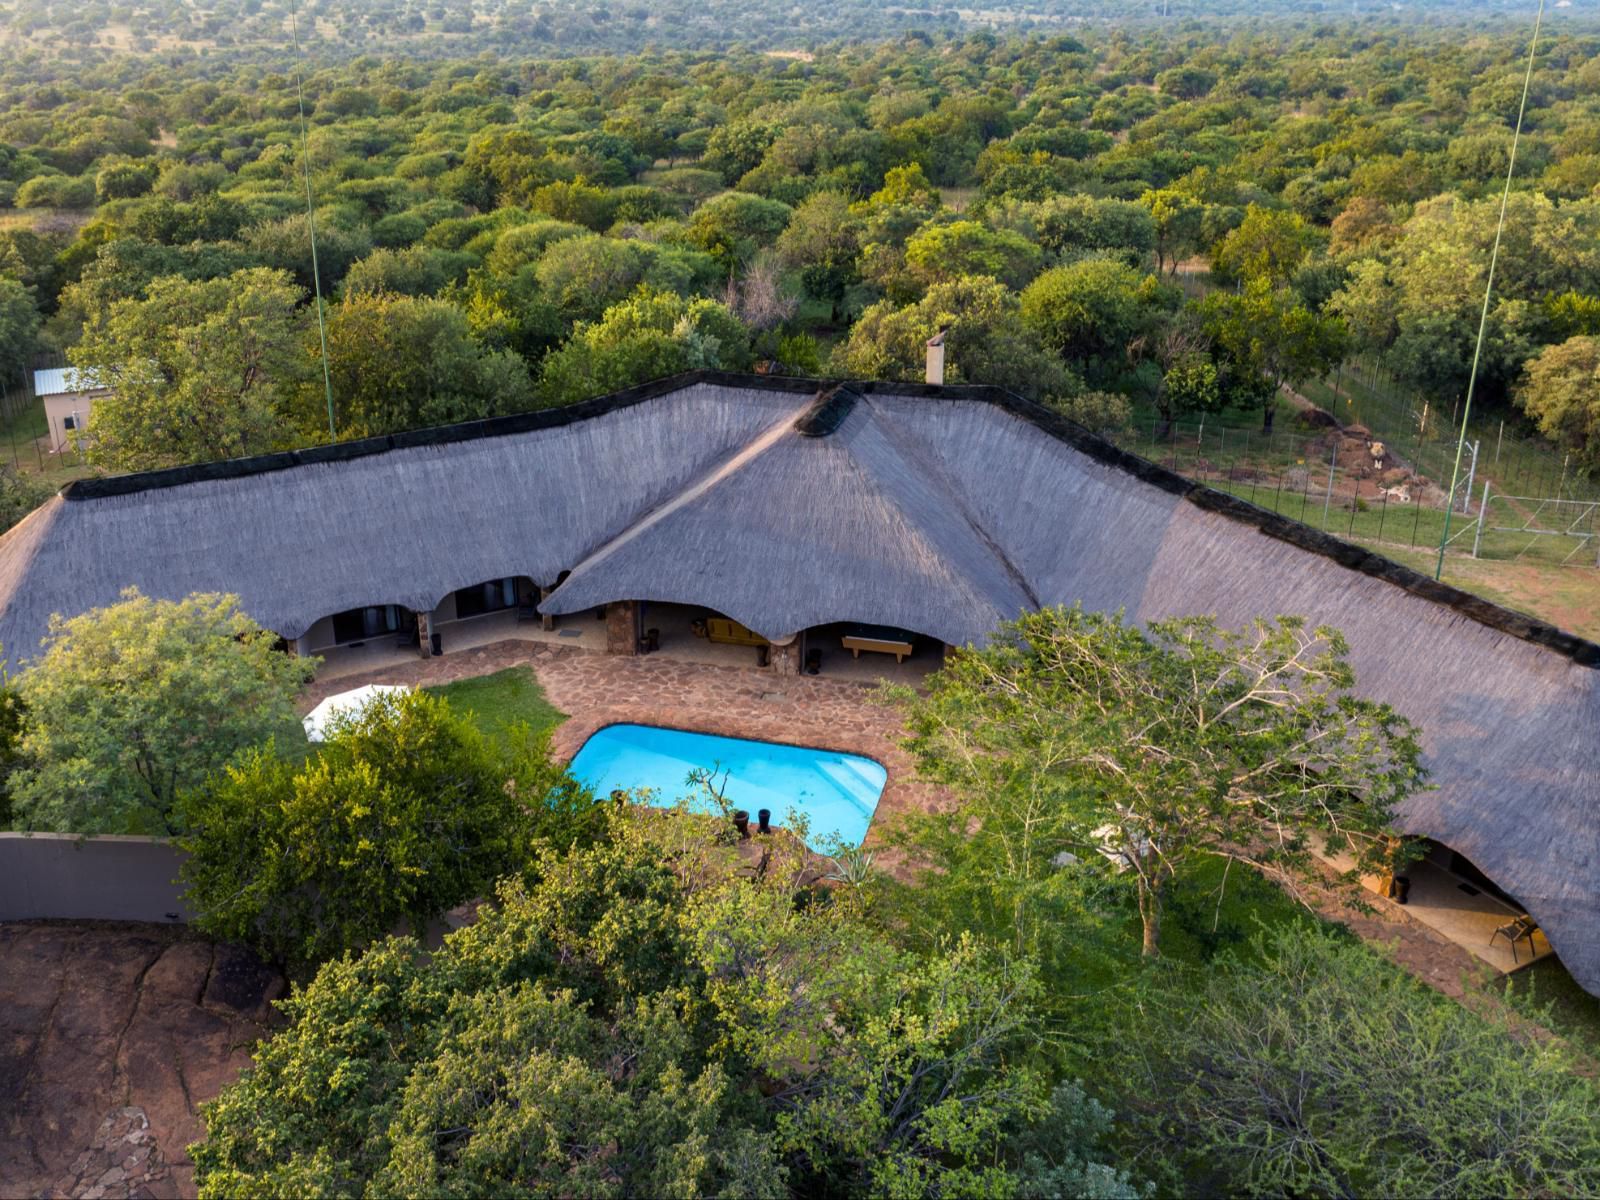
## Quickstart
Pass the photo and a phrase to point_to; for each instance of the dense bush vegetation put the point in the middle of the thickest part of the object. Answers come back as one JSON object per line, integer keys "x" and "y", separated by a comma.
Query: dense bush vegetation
{"x": 498, "y": 234}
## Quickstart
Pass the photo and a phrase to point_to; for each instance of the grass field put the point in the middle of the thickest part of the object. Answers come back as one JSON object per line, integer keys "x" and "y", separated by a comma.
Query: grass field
{"x": 1547, "y": 994}
{"x": 500, "y": 702}
{"x": 23, "y": 449}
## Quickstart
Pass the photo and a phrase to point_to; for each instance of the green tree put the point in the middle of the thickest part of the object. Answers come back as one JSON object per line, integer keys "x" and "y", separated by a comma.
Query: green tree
{"x": 413, "y": 271}
{"x": 19, "y": 495}
{"x": 200, "y": 370}
{"x": 1089, "y": 311}
{"x": 1268, "y": 338}
{"x": 128, "y": 706}
{"x": 941, "y": 253}
{"x": 767, "y": 1048}
{"x": 1176, "y": 216}
{"x": 575, "y": 202}
{"x": 1268, "y": 244}
{"x": 1075, "y": 732}
{"x": 405, "y": 811}
{"x": 400, "y": 362}
{"x": 1073, "y": 225}
{"x": 1246, "y": 1075}
{"x": 1560, "y": 390}
{"x": 733, "y": 226}
{"x": 19, "y": 331}
{"x": 986, "y": 341}
{"x": 1188, "y": 379}
{"x": 822, "y": 242}
{"x": 650, "y": 335}
{"x": 11, "y": 713}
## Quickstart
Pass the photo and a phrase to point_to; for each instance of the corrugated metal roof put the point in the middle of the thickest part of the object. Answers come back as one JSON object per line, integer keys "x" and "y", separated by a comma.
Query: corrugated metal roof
{"x": 61, "y": 381}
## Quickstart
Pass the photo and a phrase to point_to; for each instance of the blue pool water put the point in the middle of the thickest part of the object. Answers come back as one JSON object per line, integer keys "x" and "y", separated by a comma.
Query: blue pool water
{"x": 838, "y": 792}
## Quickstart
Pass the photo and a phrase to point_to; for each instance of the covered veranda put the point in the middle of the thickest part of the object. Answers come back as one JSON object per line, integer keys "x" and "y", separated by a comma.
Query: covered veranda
{"x": 378, "y": 637}
{"x": 841, "y": 650}
{"x": 1447, "y": 893}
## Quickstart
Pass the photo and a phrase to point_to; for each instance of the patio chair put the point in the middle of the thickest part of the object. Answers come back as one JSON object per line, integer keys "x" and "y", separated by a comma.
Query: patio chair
{"x": 1523, "y": 928}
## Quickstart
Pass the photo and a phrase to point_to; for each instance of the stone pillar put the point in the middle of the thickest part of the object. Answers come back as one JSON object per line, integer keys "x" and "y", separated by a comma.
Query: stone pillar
{"x": 546, "y": 619}
{"x": 425, "y": 634}
{"x": 622, "y": 627}
{"x": 784, "y": 657}
{"x": 949, "y": 650}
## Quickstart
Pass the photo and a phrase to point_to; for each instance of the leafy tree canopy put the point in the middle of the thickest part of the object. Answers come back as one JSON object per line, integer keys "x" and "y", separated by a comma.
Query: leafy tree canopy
{"x": 627, "y": 1025}
{"x": 129, "y": 706}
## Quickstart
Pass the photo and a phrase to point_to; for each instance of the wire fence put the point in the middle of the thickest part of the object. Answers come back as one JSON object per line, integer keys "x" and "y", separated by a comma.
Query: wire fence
{"x": 27, "y": 442}
{"x": 1363, "y": 391}
{"x": 1334, "y": 481}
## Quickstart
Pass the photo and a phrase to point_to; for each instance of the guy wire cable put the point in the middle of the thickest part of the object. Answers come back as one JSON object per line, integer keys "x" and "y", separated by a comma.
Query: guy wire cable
{"x": 1488, "y": 289}
{"x": 311, "y": 220}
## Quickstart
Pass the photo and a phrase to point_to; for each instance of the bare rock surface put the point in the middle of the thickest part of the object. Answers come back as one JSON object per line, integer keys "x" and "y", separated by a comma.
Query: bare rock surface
{"x": 111, "y": 1035}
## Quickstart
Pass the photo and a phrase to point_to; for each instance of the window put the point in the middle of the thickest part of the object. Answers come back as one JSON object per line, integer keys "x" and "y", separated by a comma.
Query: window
{"x": 70, "y": 422}
{"x": 486, "y": 598}
{"x": 358, "y": 624}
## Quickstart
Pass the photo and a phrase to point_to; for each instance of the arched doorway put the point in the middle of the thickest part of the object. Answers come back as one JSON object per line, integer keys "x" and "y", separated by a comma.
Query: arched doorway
{"x": 356, "y": 640}
{"x": 868, "y": 652}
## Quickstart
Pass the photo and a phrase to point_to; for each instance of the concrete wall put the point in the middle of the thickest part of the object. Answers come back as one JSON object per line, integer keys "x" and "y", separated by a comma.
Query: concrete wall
{"x": 97, "y": 878}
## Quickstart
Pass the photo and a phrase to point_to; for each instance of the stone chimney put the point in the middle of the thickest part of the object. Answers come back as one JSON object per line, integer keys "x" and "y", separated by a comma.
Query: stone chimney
{"x": 936, "y": 358}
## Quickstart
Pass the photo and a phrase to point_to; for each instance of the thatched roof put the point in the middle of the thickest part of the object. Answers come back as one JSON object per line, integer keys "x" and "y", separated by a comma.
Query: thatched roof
{"x": 942, "y": 510}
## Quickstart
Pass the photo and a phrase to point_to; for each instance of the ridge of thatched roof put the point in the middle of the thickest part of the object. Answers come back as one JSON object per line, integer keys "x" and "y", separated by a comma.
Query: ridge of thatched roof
{"x": 938, "y": 509}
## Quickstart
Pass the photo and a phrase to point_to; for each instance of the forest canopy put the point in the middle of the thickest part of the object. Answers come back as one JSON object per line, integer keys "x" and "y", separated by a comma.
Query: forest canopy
{"x": 1178, "y": 217}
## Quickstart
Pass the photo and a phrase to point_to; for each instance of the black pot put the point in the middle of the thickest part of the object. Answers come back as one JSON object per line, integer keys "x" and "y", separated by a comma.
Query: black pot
{"x": 741, "y": 822}
{"x": 764, "y": 817}
{"x": 1402, "y": 889}
{"x": 438, "y": 644}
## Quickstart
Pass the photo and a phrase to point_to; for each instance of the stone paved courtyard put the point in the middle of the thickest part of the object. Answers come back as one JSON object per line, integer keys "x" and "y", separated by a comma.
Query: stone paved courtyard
{"x": 596, "y": 690}
{"x": 599, "y": 689}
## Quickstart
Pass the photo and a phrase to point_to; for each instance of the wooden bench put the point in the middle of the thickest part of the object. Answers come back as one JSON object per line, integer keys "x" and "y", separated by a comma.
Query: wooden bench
{"x": 721, "y": 629}
{"x": 856, "y": 643}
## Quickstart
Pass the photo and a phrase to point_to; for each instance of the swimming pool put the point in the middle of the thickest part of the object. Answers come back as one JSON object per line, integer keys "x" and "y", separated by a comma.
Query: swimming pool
{"x": 837, "y": 792}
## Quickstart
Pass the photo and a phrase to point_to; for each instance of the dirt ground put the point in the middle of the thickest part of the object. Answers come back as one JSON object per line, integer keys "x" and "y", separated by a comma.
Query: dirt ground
{"x": 111, "y": 1035}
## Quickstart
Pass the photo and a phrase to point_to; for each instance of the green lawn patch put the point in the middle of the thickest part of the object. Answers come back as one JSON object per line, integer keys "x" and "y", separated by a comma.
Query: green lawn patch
{"x": 1546, "y": 993}
{"x": 500, "y": 701}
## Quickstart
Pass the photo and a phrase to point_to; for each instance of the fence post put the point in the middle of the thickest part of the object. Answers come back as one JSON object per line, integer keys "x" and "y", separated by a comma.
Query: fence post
{"x": 1477, "y": 538}
{"x": 1327, "y": 501}
{"x": 1383, "y": 512}
{"x": 1417, "y": 518}
{"x": 1472, "y": 473}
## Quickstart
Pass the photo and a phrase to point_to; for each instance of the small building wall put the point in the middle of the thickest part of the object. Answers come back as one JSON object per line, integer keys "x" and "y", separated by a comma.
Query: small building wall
{"x": 58, "y": 408}
{"x": 63, "y": 876}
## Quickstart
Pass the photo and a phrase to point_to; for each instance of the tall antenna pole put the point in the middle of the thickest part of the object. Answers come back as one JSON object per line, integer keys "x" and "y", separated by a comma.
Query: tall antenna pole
{"x": 1488, "y": 289}
{"x": 311, "y": 220}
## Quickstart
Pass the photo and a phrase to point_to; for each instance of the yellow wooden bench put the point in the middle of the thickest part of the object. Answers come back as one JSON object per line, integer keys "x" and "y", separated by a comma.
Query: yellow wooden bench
{"x": 721, "y": 629}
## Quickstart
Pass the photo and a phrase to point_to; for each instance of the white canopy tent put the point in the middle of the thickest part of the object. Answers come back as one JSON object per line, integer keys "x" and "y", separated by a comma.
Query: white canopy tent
{"x": 351, "y": 703}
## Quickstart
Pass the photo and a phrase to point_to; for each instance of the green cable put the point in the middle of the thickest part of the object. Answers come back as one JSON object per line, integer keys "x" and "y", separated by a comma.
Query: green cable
{"x": 1488, "y": 288}
{"x": 311, "y": 220}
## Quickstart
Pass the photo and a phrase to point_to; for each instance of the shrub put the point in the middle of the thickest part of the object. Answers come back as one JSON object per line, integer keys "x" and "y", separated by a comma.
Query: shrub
{"x": 407, "y": 811}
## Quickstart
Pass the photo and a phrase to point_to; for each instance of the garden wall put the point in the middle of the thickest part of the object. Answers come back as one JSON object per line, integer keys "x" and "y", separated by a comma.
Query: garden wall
{"x": 96, "y": 878}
